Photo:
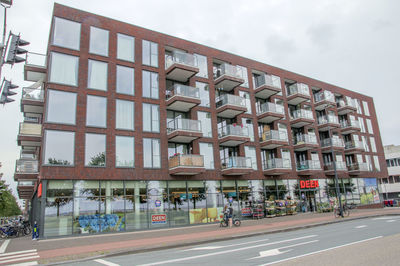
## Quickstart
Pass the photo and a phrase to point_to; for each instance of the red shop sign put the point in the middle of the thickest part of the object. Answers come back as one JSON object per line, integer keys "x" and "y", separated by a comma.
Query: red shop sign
{"x": 159, "y": 219}
{"x": 309, "y": 184}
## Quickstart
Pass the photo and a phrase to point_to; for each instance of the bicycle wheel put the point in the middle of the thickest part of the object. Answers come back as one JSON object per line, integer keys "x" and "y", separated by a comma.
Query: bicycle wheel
{"x": 346, "y": 212}
{"x": 237, "y": 222}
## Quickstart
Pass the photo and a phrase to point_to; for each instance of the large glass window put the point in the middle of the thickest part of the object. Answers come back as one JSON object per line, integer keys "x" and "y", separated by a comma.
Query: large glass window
{"x": 151, "y": 153}
{"x": 178, "y": 203}
{"x": 125, "y": 80}
{"x": 59, "y": 147}
{"x": 204, "y": 93}
{"x": 202, "y": 63}
{"x": 66, "y": 33}
{"x": 246, "y": 96}
{"x": 369, "y": 126}
{"x": 150, "y": 53}
{"x": 124, "y": 151}
{"x": 362, "y": 125}
{"x": 97, "y": 75}
{"x": 150, "y": 84}
{"x": 95, "y": 150}
{"x": 96, "y": 108}
{"x": 125, "y": 47}
{"x": 136, "y": 205}
{"x": 366, "y": 109}
{"x": 61, "y": 107}
{"x": 250, "y": 152}
{"x": 373, "y": 145}
{"x": 64, "y": 69}
{"x": 151, "y": 117}
{"x": 206, "y": 149}
{"x": 243, "y": 71}
{"x": 376, "y": 163}
{"x": 125, "y": 115}
{"x": 98, "y": 41}
{"x": 205, "y": 118}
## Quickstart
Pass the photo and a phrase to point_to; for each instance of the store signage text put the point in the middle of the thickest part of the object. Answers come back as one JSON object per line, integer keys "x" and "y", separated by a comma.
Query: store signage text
{"x": 309, "y": 184}
{"x": 159, "y": 219}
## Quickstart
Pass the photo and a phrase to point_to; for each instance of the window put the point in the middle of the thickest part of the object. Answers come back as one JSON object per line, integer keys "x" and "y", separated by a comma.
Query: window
{"x": 98, "y": 41}
{"x": 243, "y": 71}
{"x": 61, "y": 107}
{"x": 250, "y": 152}
{"x": 366, "y": 109}
{"x": 204, "y": 93}
{"x": 124, "y": 151}
{"x": 151, "y": 153}
{"x": 150, "y": 53}
{"x": 365, "y": 143}
{"x": 205, "y": 119}
{"x": 376, "y": 163}
{"x": 96, "y": 111}
{"x": 369, "y": 163}
{"x": 64, "y": 69}
{"x": 125, "y": 115}
{"x": 66, "y": 33}
{"x": 362, "y": 125}
{"x": 246, "y": 96}
{"x": 202, "y": 63}
{"x": 97, "y": 75}
{"x": 95, "y": 150}
{"x": 125, "y": 47}
{"x": 151, "y": 117}
{"x": 358, "y": 106}
{"x": 125, "y": 80}
{"x": 59, "y": 147}
{"x": 206, "y": 149}
{"x": 369, "y": 126}
{"x": 248, "y": 123}
{"x": 150, "y": 84}
{"x": 373, "y": 145}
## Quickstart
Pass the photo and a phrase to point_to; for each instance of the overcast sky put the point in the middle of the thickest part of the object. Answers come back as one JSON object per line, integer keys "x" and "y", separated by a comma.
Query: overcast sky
{"x": 353, "y": 44}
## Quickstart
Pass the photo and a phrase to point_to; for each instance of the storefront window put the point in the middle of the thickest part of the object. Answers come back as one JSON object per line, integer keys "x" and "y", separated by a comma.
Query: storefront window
{"x": 270, "y": 190}
{"x": 215, "y": 203}
{"x": 136, "y": 205}
{"x": 197, "y": 202}
{"x": 178, "y": 203}
{"x": 283, "y": 192}
{"x": 245, "y": 198}
{"x": 230, "y": 195}
{"x": 157, "y": 204}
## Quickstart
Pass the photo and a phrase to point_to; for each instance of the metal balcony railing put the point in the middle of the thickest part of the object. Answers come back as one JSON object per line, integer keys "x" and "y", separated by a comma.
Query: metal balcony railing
{"x": 346, "y": 103}
{"x": 236, "y": 162}
{"x": 231, "y": 100}
{"x": 305, "y": 139}
{"x": 26, "y": 166}
{"x": 32, "y": 94}
{"x": 340, "y": 166}
{"x": 270, "y": 107}
{"x": 308, "y": 165}
{"x": 324, "y": 96}
{"x": 335, "y": 142}
{"x": 325, "y": 119}
{"x": 358, "y": 167}
{"x": 274, "y": 135}
{"x": 298, "y": 88}
{"x": 183, "y": 58}
{"x": 228, "y": 70}
{"x": 30, "y": 129}
{"x": 301, "y": 113}
{"x": 184, "y": 124}
{"x": 347, "y": 124}
{"x": 26, "y": 183}
{"x": 183, "y": 90}
{"x": 277, "y": 163}
{"x": 186, "y": 160}
{"x": 353, "y": 144}
{"x": 269, "y": 80}
{"x": 233, "y": 130}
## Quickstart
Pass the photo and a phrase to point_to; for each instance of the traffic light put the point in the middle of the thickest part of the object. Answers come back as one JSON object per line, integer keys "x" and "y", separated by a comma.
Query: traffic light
{"x": 6, "y": 86}
{"x": 14, "y": 43}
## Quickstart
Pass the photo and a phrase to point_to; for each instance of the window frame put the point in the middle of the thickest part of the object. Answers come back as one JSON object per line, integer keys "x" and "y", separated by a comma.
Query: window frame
{"x": 151, "y": 73}
{"x": 76, "y": 68}
{"x": 150, "y": 54}
{"x": 105, "y": 111}
{"x": 49, "y": 90}
{"x": 53, "y": 33}
{"x": 151, "y": 117}
{"x": 116, "y": 115}
{"x": 105, "y": 149}
{"x": 152, "y": 155}
{"x": 90, "y": 41}
{"x": 89, "y": 79}
{"x": 116, "y": 80}
{"x": 133, "y": 39}
{"x": 131, "y": 137}
{"x": 45, "y": 148}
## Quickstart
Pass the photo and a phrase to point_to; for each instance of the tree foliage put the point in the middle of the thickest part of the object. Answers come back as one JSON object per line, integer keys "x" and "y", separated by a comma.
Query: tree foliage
{"x": 98, "y": 160}
{"x": 8, "y": 203}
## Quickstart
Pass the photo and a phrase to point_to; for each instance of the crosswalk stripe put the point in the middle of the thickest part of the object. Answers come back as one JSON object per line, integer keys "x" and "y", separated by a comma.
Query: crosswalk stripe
{"x": 17, "y": 252}
{"x": 17, "y": 256}
{"x": 29, "y": 263}
{"x": 19, "y": 259}
{"x": 4, "y": 246}
{"x": 104, "y": 262}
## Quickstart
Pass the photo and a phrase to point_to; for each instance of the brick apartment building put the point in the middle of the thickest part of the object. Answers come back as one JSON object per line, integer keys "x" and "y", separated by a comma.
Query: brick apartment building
{"x": 126, "y": 129}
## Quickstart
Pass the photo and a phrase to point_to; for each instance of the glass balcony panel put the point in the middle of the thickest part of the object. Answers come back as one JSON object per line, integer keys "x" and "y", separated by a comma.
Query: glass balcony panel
{"x": 270, "y": 107}
{"x": 26, "y": 183}
{"x": 305, "y": 139}
{"x": 324, "y": 96}
{"x": 328, "y": 119}
{"x": 233, "y": 130}
{"x": 269, "y": 80}
{"x": 186, "y": 160}
{"x": 184, "y": 124}
{"x": 277, "y": 163}
{"x": 308, "y": 165}
{"x": 33, "y": 94}
{"x": 336, "y": 142}
{"x": 229, "y": 70}
{"x": 340, "y": 166}
{"x": 346, "y": 103}
{"x": 36, "y": 59}
{"x": 183, "y": 58}
{"x": 236, "y": 162}
{"x": 299, "y": 88}
{"x": 306, "y": 114}
{"x": 30, "y": 129}
{"x": 183, "y": 90}
{"x": 24, "y": 166}
{"x": 274, "y": 135}
{"x": 358, "y": 167}
{"x": 354, "y": 144}
{"x": 231, "y": 100}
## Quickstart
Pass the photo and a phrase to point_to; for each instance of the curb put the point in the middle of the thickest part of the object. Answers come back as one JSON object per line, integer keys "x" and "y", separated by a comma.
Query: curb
{"x": 144, "y": 250}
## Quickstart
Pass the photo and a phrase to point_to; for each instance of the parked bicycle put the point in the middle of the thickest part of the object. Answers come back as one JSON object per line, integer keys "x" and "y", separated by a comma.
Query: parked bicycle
{"x": 225, "y": 221}
{"x": 345, "y": 208}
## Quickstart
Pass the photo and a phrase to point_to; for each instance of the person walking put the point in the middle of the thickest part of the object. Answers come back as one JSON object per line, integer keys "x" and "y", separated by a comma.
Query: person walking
{"x": 230, "y": 215}
{"x": 35, "y": 232}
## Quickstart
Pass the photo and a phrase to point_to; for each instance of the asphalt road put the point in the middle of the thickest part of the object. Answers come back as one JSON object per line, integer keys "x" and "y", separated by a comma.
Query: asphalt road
{"x": 372, "y": 241}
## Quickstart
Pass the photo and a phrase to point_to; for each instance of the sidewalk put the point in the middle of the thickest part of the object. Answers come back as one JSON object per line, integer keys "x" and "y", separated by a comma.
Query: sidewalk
{"x": 73, "y": 248}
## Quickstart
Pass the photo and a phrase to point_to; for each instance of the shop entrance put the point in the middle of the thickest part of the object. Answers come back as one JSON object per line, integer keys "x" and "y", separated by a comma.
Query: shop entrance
{"x": 308, "y": 201}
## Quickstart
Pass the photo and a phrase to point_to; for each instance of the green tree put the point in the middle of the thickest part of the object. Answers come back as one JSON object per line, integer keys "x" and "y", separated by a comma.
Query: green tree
{"x": 8, "y": 203}
{"x": 98, "y": 160}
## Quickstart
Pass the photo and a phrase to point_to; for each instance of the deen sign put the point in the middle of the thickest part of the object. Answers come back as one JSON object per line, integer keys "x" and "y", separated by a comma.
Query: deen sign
{"x": 159, "y": 219}
{"x": 309, "y": 184}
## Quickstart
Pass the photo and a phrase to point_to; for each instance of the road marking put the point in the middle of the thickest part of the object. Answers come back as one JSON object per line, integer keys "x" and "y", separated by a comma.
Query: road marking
{"x": 383, "y": 218}
{"x": 30, "y": 263}
{"x": 4, "y": 246}
{"x": 360, "y": 226}
{"x": 17, "y": 256}
{"x": 226, "y": 251}
{"x": 276, "y": 251}
{"x": 320, "y": 251}
{"x": 232, "y": 245}
{"x": 205, "y": 248}
{"x": 19, "y": 259}
{"x": 104, "y": 262}
{"x": 18, "y": 252}
{"x": 391, "y": 221}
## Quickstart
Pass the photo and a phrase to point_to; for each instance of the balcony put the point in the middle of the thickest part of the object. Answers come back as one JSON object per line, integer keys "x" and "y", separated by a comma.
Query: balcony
{"x": 323, "y": 100}
{"x": 268, "y": 85}
{"x": 308, "y": 167}
{"x": 182, "y": 98}
{"x": 26, "y": 169}
{"x": 305, "y": 142}
{"x": 35, "y": 67}
{"x": 298, "y": 93}
{"x": 354, "y": 146}
{"x": 25, "y": 189}
{"x": 32, "y": 100}
{"x": 349, "y": 127}
{"x": 180, "y": 66}
{"x": 277, "y": 166}
{"x": 228, "y": 77}
{"x": 329, "y": 144}
{"x": 346, "y": 106}
{"x": 229, "y": 106}
{"x": 357, "y": 168}
{"x": 270, "y": 112}
{"x": 186, "y": 164}
{"x": 301, "y": 118}
{"x": 236, "y": 165}
{"x": 340, "y": 168}
{"x": 233, "y": 135}
{"x": 30, "y": 134}
{"x": 183, "y": 130}
{"x": 328, "y": 121}
{"x": 273, "y": 139}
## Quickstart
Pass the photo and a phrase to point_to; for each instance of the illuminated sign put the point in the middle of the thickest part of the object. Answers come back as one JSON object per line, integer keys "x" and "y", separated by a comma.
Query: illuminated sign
{"x": 309, "y": 184}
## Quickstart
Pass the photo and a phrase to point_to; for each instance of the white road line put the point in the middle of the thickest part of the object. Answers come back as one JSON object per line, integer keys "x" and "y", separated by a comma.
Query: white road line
{"x": 18, "y": 252}
{"x": 382, "y": 218}
{"x": 4, "y": 246}
{"x": 391, "y": 221}
{"x": 360, "y": 226}
{"x": 226, "y": 246}
{"x": 17, "y": 256}
{"x": 30, "y": 263}
{"x": 19, "y": 259}
{"x": 226, "y": 251}
{"x": 323, "y": 250}
{"x": 280, "y": 252}
{"x": 104, "y": 262}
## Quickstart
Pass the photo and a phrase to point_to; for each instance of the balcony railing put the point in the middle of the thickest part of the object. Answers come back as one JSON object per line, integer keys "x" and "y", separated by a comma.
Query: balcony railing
{"x": 308, "y": 165}
{"x": 183, "y": 90}
{"x": 32, "y": 94}
{"x": 270, "y": 107}
{"x": 35, "y": 59}
{"x": 332, "y": 119}
{"x": 30, "y": 129}
{"x": 180, "y": 58}
{"x": 274, "y": 135}
{"x": 335, "y": 142}
{"x": 352, "y": 123}
{"x": 324, "y": 96}
{"x": 305, "y": 139}
{"x": 277, "y": 163}
{"x": 298, "y": 88}
{"x": 306, "y": 114}
{"x": 236, "y": 162}
{"x": 346, "y": 103}
{"x": 340, "y": 166}
{"x": 229, "y": 70}
{"x": 26, "y": 166}
{"x": 26, "y": 183}
{"x": 354, "y": 144}
{"x": 184, "y": 124}
{"x": 230, "y": 99}
{"x": 358, "y": 167}
{"x": 268, "y": 80}
{"x": 186, "y": 160}
{"x": 233, "y": 130}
